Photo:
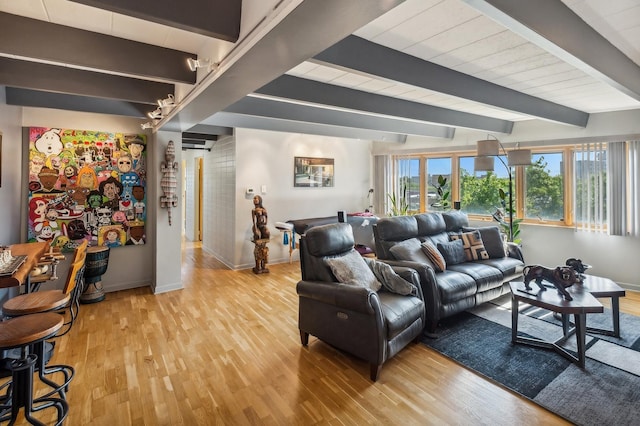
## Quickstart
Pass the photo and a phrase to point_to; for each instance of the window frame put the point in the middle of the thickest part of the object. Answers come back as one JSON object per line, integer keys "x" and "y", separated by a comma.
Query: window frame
{"x": 567, "y": 152}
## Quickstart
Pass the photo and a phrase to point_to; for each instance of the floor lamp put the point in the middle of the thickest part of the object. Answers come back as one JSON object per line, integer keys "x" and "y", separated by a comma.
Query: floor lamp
{"x": 487, "y": 149}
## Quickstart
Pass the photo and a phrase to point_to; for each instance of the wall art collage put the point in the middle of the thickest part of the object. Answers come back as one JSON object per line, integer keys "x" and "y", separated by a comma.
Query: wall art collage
{"x": 86, "y": 185}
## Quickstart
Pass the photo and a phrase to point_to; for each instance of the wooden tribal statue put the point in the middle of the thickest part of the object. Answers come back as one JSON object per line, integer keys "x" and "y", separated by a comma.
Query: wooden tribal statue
{"x": 168, "y": 183}
{"x": 261, "y": 236}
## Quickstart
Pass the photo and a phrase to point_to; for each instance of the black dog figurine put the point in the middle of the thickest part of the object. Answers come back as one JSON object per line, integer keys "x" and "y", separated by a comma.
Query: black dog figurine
{"x": 561, "y": 277}
{"x": 577, "y": 265}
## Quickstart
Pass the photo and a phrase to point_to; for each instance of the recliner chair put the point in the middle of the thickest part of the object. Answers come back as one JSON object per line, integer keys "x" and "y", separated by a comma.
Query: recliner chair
{"x": 373, "y": 326}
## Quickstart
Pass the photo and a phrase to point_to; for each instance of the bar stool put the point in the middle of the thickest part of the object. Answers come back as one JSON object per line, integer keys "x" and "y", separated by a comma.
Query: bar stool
{"x": 26, "y": 332}
{"x": 53, "y": 300}
{"x": 57, "y": 301}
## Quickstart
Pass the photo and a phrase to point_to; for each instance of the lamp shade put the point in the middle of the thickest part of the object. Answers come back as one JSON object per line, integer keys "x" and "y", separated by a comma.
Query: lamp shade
{"x": 483, "y": 164}
{"x": 519, "y": 157}
{"x": 488, "y": 147}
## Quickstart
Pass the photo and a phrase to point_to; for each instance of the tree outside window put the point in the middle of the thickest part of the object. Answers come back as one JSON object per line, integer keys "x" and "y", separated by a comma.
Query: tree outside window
{"x": 480, "y": 192}
{"x": 544, "y": 188}
{"x": 436, "y": 167}
{"x": 409, "y": 182}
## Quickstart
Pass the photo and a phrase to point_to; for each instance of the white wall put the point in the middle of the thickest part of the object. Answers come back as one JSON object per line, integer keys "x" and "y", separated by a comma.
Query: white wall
{"x": 218, "y": 199}
{"x": 613, "y": 257}
{"x": 253, "y": 158}
{"x": 11, "y": 169}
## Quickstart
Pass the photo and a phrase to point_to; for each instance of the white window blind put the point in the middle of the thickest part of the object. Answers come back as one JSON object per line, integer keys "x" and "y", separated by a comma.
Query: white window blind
{"x": 590, "y": 187}
{"x": 617, "y": 186}
{"x": 634, "y": 188}
{"x": 623, "y": 187}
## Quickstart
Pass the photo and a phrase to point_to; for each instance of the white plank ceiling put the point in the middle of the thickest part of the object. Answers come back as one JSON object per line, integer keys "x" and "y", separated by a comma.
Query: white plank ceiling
{"x": 450, "y": 33}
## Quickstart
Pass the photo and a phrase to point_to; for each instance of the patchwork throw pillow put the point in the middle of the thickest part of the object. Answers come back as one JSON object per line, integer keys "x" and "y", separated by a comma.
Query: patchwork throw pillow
{"x": 434, "y": 255}
{"x": 473, "y": 245}
{"x": 492, "y": 240}
{"x": 452, "y": 251}
{"x": 352, "y": 269}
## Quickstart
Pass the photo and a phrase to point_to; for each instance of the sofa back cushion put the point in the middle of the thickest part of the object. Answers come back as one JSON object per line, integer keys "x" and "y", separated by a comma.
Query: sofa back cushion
{"x": 455, "y": 220}
{"x": 319, "y": 242}
{"x": 430, "y": 223}
{"x": 390, "y": 230}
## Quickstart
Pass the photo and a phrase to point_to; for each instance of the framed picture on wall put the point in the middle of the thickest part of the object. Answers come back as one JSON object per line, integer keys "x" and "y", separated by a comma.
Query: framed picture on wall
{"x": 312, "y": 172}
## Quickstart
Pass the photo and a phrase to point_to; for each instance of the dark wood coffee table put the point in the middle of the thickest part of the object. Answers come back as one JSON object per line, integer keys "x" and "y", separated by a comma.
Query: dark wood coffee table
{"x": 601, "y": 287}
{"x": 583, "y": 303}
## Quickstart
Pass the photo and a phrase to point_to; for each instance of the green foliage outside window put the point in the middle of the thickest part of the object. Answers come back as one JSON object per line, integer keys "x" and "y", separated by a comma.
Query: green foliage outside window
{"x": 480, "y": 194}
{"x": 544, "y": 192}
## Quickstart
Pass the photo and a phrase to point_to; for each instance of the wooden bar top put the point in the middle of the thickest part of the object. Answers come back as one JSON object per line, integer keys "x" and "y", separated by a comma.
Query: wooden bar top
{"x": 34, "y": 252}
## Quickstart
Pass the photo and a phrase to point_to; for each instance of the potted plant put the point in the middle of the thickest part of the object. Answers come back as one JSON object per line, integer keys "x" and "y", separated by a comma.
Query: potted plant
{"x": 442, "y": 203}
{"x": 504, "y": 215}
{"x": 398, "y": 206}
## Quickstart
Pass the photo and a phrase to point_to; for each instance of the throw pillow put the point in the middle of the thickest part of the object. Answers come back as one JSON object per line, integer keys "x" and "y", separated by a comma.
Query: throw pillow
{"x": 434, "y": 255}
{"x": 410, "y": 250}
{"x": 473, "y": 245}
{"x": 352, "y": 269}
{"x": 452, "y": 251}
{"x": 492, "y": 240}
{"x": 390, "y": 280}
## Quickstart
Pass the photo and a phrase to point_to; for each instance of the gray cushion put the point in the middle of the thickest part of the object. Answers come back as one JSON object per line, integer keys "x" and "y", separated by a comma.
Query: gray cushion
{"x": 352, "y": 269}
{"x": 409, "y": 250}
{"x": 452, "y": 251}
{"x": 390, "y": 280}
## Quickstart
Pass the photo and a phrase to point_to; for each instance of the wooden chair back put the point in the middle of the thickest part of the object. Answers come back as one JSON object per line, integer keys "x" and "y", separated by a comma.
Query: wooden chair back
{"x": 80, "y": 252}
{"x": 76, "y": 269}
{"x": 75, "y": 275}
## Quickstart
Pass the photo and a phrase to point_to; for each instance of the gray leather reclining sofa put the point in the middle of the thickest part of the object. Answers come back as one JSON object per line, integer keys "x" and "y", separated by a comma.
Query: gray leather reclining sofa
{"x": 460, "y": 286}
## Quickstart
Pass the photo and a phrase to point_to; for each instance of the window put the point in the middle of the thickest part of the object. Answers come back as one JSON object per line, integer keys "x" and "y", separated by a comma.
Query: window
{"x": 544, "y": 187}
{"x": 480, "y": 192}
{"x": 408, "y": 184}
{"x": 436, "y": 167}
{"x": 564, "y": 185}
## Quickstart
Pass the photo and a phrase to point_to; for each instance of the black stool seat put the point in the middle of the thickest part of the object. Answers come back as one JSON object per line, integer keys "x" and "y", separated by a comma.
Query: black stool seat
{"x": 26, "y": 332}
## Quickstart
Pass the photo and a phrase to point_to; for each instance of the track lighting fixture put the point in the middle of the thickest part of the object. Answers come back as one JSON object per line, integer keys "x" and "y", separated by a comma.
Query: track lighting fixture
{"x": 169, "y": 101}
{"x": 156, "y": 114}
{"x": 147, "y": 125}
{"x": 194, "y": 64}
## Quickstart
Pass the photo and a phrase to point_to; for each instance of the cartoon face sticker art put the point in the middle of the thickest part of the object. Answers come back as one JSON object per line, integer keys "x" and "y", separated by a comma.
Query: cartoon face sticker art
{"x": 86, "y": 185}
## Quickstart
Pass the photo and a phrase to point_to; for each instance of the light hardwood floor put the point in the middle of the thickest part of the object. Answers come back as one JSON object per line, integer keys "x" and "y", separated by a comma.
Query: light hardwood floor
{"x": 225, "y": 350}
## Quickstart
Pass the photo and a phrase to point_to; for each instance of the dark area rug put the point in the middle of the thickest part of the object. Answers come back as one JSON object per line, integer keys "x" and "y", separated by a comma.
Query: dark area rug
{"x": 601, "y": 394}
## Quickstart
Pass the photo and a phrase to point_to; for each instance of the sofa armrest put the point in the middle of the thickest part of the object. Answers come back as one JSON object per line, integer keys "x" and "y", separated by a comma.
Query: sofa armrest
{"x": 411, "y": 275}
{"x": 515, "y": 251}
{"x": 428, "y": 287}
{"x": 345, "y": 296}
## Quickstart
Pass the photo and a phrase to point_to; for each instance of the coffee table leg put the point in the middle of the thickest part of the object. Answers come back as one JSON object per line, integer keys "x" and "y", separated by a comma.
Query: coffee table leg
{"x": 581, "y": 331}
{"x": 514, "y": 319}
{"x": 615, "y": 309}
